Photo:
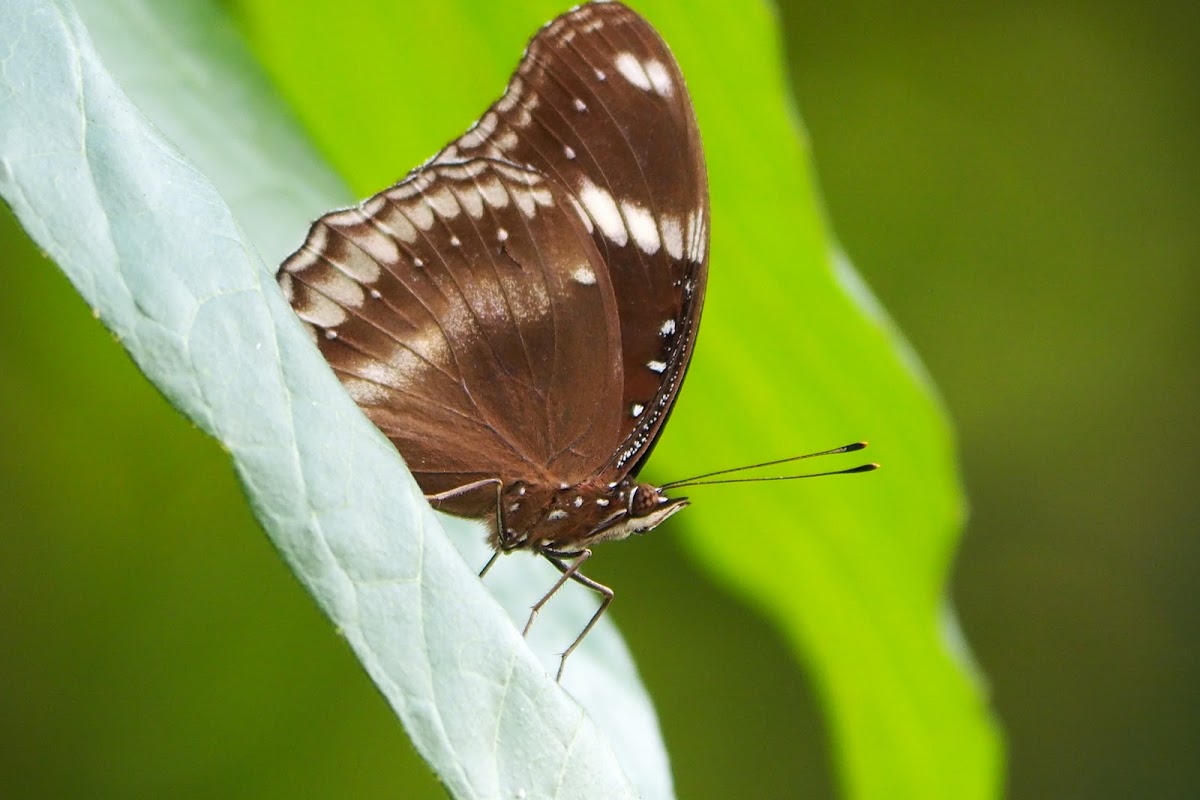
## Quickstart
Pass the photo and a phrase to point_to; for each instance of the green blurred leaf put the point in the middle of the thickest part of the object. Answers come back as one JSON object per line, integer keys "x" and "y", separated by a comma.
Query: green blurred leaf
{"x": 795, "y": 355}
{"x": 153, "y": 247}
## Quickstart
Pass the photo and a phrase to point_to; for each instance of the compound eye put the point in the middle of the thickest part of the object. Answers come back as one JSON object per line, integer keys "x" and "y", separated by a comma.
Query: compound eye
{"x": 642, "y": 500}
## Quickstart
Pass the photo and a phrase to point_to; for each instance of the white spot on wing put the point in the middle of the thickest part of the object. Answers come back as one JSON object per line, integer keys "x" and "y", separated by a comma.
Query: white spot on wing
{"x": 345, "y": 218}
{"x": 493, "y": 192}
{"x": 587, "y": 221}
{"x": 667, "y": 328}
{"x": 702, "y": 242}
{"x": 336, "y": 286}
{"x": 584, "y": 275}
{"x": 507, "y": 140}
{"x": 510, "y": 98}
{"x": 568, "y": 151}
{"x": 344, "y": 250}
{"x": 472, "y": 138}
{"x": 320, "y": 310}
{"x": 365, "y": 393}
{"x": 697, "y": 235}
{"x": 471, "y": 201}
{"x": 421, "y": 215}
{"x": 391, "y": 221}
{"x": 480, "y": 131}
{"x": 443, "y": 203}
{"x": 580, "y": 105}
{"x": 656, "y": 366}
{"x": 601, "y": 207}
{"x": 637, "y": 409}
{"x": 517, "y": 174}
{"x": 641, "y": 225}
{"x": 464, "y": 170}
{"x": 672, "y": 235}
{"x": 660, "y": 78}
{"x": 380, "y": 247}
{"x": 631, "y": 68}
{"x": 525, "y": 201}
{"x": 309, "y": 253}
{"x": 373, "y": 205}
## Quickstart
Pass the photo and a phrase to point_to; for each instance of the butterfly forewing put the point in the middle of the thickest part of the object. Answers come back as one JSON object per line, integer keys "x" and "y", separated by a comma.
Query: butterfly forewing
{"x": 598, "y": 104}
{"x": 464, "y": 309}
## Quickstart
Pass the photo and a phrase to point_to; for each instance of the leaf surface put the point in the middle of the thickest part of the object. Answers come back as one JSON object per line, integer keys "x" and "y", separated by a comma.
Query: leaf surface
{"x": 173, "y": 270}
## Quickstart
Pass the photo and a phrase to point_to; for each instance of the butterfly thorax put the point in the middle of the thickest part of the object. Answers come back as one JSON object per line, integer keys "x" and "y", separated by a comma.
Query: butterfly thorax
{"x": 567, "y": 519}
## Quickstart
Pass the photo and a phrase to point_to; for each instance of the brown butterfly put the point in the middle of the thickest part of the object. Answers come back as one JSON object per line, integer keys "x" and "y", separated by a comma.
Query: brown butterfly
{"x": 517, "y": 315}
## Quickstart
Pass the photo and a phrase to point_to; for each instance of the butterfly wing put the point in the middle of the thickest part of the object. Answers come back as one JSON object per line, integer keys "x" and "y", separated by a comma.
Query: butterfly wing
{"x": 598, "y": 104}
{"x": 468, "y": 312}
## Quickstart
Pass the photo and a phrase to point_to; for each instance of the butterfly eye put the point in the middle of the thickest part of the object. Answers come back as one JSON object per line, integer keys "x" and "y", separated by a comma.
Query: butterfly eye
{"x": 643, "y": 500}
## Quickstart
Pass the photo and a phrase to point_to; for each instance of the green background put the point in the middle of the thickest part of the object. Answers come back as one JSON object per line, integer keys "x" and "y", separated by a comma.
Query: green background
{"x": 1017, "y": 183}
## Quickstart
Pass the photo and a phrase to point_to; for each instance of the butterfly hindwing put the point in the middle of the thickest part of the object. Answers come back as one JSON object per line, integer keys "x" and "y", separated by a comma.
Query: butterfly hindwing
{"x": 463, "y": 309}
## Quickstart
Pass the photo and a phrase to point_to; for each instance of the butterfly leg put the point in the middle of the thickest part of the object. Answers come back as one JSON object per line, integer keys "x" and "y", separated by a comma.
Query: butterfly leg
{"x": 571, "y": 572}
{"x": 491, "y": 561}
{"x": 474, "y": 490}
{"x": 501, "y": 530}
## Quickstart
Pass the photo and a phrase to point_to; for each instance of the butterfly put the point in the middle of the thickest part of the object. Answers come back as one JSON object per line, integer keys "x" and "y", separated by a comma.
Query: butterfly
{"x": 517, "y": 315}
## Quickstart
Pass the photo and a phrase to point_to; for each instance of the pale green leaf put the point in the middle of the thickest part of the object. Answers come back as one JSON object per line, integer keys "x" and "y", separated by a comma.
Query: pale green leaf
{"x": 155, "y": 248}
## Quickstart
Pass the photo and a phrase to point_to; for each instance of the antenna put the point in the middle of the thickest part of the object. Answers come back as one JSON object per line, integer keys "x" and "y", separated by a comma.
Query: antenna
{"x": 700, "y": 480}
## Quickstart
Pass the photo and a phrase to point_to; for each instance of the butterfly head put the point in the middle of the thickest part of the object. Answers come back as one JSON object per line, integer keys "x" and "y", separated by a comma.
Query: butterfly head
{"x": 647, "y": 507}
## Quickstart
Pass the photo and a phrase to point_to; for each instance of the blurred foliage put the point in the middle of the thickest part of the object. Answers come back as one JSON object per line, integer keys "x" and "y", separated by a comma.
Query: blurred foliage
{"x": 1018, "y": 182}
